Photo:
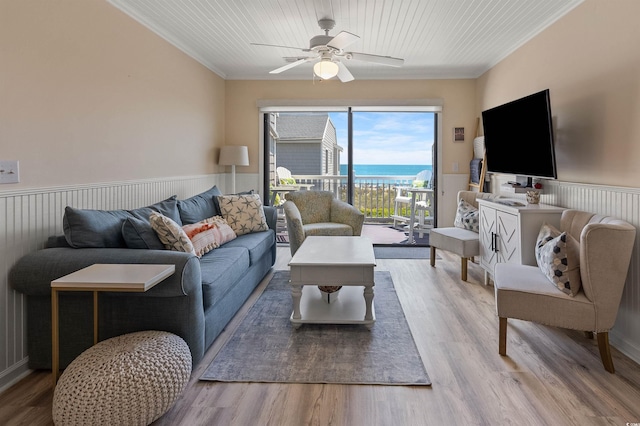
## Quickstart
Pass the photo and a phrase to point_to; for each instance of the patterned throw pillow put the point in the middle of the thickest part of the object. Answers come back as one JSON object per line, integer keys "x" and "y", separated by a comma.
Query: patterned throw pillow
{"x": 170, "y": 233}
{"x": 467, "y": 217}
{"x": 209, "y": 234}
{"x": 243, "y": 213}
{"x": 558, "y": 257}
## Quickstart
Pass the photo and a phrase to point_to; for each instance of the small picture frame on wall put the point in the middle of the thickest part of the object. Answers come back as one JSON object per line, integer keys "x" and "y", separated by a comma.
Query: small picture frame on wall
{"x": 458, "y": 134}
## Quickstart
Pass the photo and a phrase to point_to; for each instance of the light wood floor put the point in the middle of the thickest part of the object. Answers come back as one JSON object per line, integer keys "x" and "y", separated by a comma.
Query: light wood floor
{"x": 550, "y": 376}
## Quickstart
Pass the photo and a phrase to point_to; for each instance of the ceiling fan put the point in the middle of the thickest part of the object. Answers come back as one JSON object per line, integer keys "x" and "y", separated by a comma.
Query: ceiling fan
{"x": 329, "y": 52}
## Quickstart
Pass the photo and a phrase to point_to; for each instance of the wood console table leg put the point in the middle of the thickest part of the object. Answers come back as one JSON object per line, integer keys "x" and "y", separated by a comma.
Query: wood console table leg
{"x": 95, "y": 318}
{"x": 55, "y": 360}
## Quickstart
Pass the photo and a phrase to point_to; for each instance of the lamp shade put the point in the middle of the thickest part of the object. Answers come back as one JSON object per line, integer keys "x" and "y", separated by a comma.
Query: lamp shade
{"x": 234, "y": 155}
{"x": 325, "y": 69}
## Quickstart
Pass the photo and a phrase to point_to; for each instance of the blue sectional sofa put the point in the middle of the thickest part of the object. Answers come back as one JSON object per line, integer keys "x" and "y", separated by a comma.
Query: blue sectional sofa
{"x": 196, "y": 302}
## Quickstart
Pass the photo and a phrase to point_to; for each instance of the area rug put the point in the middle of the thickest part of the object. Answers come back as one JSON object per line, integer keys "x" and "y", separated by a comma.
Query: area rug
{"x": 266, "y": 348}
{"x": 399, "y": 252}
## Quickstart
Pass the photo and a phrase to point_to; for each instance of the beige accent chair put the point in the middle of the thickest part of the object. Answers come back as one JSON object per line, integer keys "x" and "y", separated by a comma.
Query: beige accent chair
{"x": 524, "y": 292}
{"x": 319, "y": 213}
{"x": 463, "y": 242}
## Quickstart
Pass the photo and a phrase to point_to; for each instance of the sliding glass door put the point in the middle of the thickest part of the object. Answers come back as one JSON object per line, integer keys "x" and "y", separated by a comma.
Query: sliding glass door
{"x": 363, "y": 156}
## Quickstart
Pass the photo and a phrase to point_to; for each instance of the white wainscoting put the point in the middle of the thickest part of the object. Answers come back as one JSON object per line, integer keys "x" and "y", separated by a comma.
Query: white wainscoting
{"x": 28, "y": 217}
{"x": 620, "y": 202}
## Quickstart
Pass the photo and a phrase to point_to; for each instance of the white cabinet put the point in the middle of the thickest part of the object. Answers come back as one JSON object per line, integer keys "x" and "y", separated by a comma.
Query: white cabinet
{"x": 508, "y": 231}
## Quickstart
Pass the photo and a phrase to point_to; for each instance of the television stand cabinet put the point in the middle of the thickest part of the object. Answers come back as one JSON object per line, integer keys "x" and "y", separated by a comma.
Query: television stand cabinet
{"x": 509, "y": 229}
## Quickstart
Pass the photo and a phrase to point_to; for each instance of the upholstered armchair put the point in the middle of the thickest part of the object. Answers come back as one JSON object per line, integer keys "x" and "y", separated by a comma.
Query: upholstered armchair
{"x": 319, "y": 213}
{"x": 598, "y": 251}
{"x": 462, "y": 239}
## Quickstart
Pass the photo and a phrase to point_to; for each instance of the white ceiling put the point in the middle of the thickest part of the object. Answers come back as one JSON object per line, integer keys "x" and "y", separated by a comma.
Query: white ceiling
{"x": 436, "y": 38}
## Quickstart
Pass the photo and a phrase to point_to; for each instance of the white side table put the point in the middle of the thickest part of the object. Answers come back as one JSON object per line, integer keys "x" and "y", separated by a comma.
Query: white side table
{"x": 96, "y": 278}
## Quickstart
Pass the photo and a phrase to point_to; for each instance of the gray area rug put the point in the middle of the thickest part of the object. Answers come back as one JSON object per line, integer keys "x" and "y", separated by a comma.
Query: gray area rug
{"x": 266, "y": 348}
{"x": 399, "y": 252}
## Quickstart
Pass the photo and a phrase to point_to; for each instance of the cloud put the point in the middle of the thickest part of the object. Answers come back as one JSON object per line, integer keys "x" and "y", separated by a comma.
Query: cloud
{"x": 388, "y": 138}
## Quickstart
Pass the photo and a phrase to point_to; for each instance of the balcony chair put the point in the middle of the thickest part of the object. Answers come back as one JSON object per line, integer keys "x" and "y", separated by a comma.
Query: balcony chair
{"x": 403, "y": 200}
{"x": 600, "y": 247}
{"x": 463, "y": 238}
{"x": 286, "y": 183}
{"x": 319, "y": 213}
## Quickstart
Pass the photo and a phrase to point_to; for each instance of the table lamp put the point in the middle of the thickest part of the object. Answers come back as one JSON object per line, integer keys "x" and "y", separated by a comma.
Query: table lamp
{"x": 234, "y": 155}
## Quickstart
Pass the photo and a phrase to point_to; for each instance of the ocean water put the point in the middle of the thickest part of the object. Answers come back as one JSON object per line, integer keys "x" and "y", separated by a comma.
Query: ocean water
{"x": 386, "y": 169}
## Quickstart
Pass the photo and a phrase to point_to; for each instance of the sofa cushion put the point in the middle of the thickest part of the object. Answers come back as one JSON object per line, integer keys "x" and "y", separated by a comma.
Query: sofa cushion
{"x": 221, "y": 269}
{"x": 87, "y": 228}
{"x": 258, "y": 243}
{"x": 243, "y": 213}
{"x": 138, "y": 234}
{"x": 171, "y": 234}
{"x": 199, "y": 207}
{"x": 209, "y": 234}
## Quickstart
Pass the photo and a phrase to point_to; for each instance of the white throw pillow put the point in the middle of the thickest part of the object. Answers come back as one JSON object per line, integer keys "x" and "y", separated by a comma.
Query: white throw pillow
{"x": 209, "y": 234}
{"x": 170, "y": 233}
{"x": 558, "y": 257}
{"x": 243, "y": 213}
{"x": 467, "y": 217}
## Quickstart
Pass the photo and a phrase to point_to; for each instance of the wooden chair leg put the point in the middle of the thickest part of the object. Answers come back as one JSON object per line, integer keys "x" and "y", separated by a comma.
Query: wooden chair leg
{"x": 605, "y": 351}
{"x": 432, "y": 259}
{"x": 502, "y": 338}
{"x": 463, "y": 267}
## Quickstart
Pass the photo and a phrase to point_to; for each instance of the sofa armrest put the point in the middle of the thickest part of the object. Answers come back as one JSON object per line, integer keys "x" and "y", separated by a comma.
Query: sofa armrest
{"x": 294, "y": 226}
{"x": 342, "y": 212}
{"x": 33, "y": 273}
{"x": 271, "y": 214}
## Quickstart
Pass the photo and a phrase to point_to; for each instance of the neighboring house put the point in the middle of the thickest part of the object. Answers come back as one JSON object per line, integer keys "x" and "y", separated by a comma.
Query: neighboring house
{"x": 306, "y": 144}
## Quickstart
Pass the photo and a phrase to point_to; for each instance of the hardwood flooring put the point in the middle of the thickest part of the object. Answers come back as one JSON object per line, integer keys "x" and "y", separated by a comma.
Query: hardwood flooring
{"x": 550, "y": 376}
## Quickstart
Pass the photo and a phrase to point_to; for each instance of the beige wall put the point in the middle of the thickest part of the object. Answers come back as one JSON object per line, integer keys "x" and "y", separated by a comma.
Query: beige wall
{"x": 590, "y": 61}
{"x": 242, "y": 117}
{"x": 89, "y": 95}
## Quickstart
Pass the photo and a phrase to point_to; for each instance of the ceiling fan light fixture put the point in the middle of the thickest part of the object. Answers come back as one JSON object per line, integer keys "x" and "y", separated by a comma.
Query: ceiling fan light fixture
{"x": 325, "y": 69}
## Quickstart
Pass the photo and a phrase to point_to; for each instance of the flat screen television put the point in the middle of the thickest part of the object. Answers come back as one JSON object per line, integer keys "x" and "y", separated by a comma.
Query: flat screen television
{"x": 518, "y": 137}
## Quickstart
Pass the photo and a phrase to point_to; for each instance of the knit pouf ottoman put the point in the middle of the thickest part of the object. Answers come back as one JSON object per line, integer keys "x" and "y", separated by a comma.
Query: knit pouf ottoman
{"x": 131, "y": 379}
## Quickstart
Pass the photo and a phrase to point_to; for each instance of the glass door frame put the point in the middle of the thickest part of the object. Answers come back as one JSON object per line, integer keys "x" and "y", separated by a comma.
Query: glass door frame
{"x": 313, "y": 105}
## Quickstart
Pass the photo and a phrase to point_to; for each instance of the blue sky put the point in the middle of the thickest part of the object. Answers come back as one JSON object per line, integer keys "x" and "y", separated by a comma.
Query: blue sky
{"x": 387, "y": 137}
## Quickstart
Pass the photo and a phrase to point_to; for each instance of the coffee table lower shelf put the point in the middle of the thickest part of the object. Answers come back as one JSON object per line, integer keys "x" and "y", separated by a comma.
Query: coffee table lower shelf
{"x": 348, "y": 308}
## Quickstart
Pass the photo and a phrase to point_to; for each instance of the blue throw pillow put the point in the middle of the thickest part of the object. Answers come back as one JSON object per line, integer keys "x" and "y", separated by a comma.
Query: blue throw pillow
{"x": 93, "y": 228}
{"x": 168, "y": 208}
{"x": 138, "y": 234}
{"x": 199, "y": 207}
{"x": 86, "y": 228}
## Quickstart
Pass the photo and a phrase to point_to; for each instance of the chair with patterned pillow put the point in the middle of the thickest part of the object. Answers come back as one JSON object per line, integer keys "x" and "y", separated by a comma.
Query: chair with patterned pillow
{"x": 319, "y": 213}
{"x": 578, "y": 283}
{"x": 462, "y": 238}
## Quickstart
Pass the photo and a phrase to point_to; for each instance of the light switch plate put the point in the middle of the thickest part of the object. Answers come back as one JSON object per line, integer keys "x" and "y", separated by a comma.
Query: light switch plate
{"x": 9, "y": 171}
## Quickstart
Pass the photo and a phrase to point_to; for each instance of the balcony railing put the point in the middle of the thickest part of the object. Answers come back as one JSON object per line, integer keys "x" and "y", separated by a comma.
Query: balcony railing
{"x": 373, "y": 195}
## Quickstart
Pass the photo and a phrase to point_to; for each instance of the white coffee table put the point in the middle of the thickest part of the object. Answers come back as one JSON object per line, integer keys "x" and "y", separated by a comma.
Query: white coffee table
{"x": 332, "y": 261}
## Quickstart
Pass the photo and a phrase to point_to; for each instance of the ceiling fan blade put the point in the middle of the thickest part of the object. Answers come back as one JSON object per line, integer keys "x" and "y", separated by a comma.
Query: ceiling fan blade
{"x": 277, "y": 45}
{"x": 343, "y": 40}
{"x": 382, "y": 60}
{"x": 290, "y": 65}
{"x": 343, "y": 73}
